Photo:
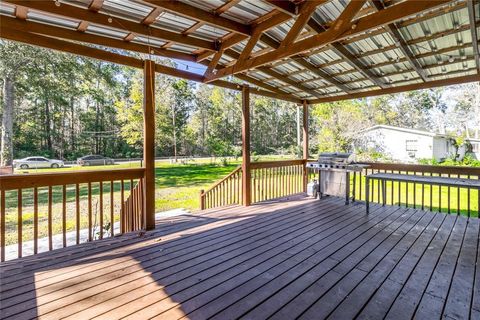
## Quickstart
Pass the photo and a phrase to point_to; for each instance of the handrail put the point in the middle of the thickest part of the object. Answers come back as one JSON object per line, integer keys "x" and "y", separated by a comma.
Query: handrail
{"x": 276, "y": 164}
{"x": 87, "y": 203}
{"x": 269, "y": 180}
{"x": 424, "y": 168}
{"x": 237, "y": 169}
{"x": 227, "y": 191}
{"x": 24, "y": 181}
{"x": 448, "y": 199}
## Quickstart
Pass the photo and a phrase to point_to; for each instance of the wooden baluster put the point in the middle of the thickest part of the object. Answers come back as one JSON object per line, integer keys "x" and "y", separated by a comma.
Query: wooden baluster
{"x": 101, "y": 209}
{"x": 35, "y": 220}
{"x": 399, "y": 192}
{"x": 431, "y": 194}
{"x": 112, "y": 215}
{"x": 264, "y": 184}
{"x": 132, "y": 203}
{"x": 440, "y": 198}
{"x": 423, "y": 192}
{"x": 458, "y": 197}
{"x": 230, "y": 186}
{"x": 414, "y": 192}
{"x": 2, "y": 224}
{"x": 77, "y": 212}
{"x": 64, "y": 215}
{"x": 122, "y": 207}
{"x": 90, "y": 235}
{"x": 478, "y": 200}
{"x": 288, "y": 185}
{"x": 468, "y": 199}
{"x": 448, "y": 197}
{"x": 19, "y": 222}
{"x": 406, "y": 193}
{"x": 360, "y": 184}
{"x": 50, "y": 220}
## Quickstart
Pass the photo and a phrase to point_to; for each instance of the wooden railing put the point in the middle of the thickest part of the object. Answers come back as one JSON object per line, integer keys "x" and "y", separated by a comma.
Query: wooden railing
{"x": 277, "y": 179}
{"x": 269, "y": 180}
{"x": 463, "y": 201}
{"x": 41, "y": 212}
{"x": 227, "y": 191}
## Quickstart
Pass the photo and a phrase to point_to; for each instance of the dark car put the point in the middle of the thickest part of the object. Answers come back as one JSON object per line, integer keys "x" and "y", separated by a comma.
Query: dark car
{"x": 94, "y": 160}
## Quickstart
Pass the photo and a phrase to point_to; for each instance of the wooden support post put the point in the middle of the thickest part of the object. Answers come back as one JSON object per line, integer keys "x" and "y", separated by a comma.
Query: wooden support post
{"x": 202, "y": 199}
{"x": 246, "y": 181}
{"x": 305, "y": 144}
{"x": 149, "y": 142}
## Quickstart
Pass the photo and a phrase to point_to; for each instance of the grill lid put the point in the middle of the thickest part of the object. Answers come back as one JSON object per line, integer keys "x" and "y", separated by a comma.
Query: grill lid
{"x": 335, "y": 157}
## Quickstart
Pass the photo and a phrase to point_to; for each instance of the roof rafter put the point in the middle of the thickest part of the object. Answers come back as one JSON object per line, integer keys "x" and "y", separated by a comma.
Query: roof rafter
{"x": 402, "y": 44}
{"x": 57, "y": 32}
{"x": 306, "y": 11}
{"x": 118, "y": 23}
{"x": 274, "y": 19}
{"x": 340, "y": 31}
{"x": 78, "y": 49}
{"x": 284, "y": 6}
{"x": 398, "y": 89}
{"x": 201, "y": 15}
{"x": 473, "y": 32}
{"x": 277, "y": 76}
{"x": 305, "y": 63}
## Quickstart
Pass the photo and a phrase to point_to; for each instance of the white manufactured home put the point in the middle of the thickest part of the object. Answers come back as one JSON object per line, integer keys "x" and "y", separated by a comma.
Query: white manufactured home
{"x": 410, "y": 145}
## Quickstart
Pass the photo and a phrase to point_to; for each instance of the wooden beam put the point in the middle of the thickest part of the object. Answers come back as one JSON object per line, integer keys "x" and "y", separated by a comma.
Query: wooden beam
{"x": 305, "y": 143}
{"x": 347, "y": 55}
{"x": 285, "y": 79}
{"x": 225, "y": 7}
{"x": 77, "y": 13}
{"x": 152, "y": 16}
{"x": 249, "y": 46}
{"x": 306, "y": 64}
{"x": 21, "y": 12}
{"x": 44, "y": 29}
{"x": 285, "y": 6}
{"x": 402, "y": 44}
{"x": 398, "y": 89}
{"x": 149, "y": 142}
{"x": 95, "y": 5}
{"x": 275, "y": 19}
{"x": 473, "y": 31}
{"x": 65, "y": 46}
{"x": 306, "y": 11}
{"x": 82, "y": 26}
{"x": 201, "y": 15}
{"x": 213, "y": 64}
{"x": 246, "y": 173}
{"x": 78, "y": 49}
{"x": 340, "y": 31}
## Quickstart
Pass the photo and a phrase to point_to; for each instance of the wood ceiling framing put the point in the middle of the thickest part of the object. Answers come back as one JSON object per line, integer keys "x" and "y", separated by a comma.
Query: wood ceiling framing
{"x": 315, "y": 50}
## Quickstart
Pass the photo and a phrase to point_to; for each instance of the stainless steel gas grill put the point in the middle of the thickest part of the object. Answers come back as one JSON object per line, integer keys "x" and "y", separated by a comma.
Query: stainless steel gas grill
{"x": 334, "y": 173}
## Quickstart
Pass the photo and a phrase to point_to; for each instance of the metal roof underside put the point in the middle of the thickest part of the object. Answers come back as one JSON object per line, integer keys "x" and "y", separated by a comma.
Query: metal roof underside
{"x": 439, "y": 39}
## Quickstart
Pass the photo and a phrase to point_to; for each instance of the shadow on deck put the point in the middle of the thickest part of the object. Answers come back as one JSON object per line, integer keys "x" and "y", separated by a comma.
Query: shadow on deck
{"x": 301, "y": 258}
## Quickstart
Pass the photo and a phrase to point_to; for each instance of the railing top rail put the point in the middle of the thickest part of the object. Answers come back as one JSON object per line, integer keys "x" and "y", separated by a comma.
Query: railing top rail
{"x": 275, "y": 164}
{"x": 25, "y": 181}
{"x": 424, "y": 168}
{"x": 239, "y": 168}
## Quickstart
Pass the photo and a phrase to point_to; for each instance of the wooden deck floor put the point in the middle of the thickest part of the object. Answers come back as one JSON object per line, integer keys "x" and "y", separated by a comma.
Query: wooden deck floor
{"x": 303, "y": 258}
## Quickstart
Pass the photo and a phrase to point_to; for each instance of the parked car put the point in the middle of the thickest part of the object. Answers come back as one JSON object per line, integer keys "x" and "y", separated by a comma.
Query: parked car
{"x": 37, "y": 162}
{"x": 94, "y": 160}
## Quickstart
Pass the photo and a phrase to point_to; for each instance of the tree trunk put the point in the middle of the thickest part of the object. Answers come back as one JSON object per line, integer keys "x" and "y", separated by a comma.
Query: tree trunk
{"x": 6, "y": 146}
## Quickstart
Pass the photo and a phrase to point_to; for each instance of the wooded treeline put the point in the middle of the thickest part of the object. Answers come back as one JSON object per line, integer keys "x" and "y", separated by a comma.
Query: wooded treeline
{"x": 66, "y": 106}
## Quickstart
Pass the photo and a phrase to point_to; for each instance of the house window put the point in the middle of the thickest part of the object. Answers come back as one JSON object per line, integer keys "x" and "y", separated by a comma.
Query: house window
{"x": 411, "y": 145}
{"x": 476, "y": 147}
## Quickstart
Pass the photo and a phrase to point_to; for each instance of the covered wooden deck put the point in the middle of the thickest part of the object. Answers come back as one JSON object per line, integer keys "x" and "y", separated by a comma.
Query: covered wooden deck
{"x": 300, "y": 258}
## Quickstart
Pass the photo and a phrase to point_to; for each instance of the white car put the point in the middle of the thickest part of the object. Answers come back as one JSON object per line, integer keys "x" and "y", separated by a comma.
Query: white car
{"x": 37, "y": 162}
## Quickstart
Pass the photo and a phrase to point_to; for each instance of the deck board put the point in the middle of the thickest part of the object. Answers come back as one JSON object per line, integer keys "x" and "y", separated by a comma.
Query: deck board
{"x": 282, "y": 260}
